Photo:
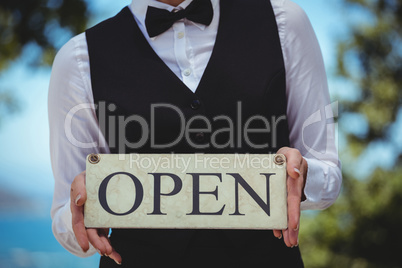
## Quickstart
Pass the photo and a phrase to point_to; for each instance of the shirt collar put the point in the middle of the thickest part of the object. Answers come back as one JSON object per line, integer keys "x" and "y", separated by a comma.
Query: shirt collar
{"x": 139, "y": 9}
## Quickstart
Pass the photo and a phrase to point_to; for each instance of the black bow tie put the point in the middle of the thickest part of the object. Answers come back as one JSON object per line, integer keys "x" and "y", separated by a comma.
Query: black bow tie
{"x": 159, "y": 20}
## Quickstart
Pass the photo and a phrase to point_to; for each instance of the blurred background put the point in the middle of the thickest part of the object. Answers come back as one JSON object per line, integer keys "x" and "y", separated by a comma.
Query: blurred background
{"x": 361, "y": 41}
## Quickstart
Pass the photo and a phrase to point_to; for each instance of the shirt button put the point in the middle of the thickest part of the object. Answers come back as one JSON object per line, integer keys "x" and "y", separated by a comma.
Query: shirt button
{"x": 180, "y": 35}
{"x": 195, "y": 104}
{"x": 199, "y": 137}
{"x": 187, "y": 72}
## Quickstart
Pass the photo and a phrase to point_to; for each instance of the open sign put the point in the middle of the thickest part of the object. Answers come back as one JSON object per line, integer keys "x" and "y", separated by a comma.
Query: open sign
{"x": 225, "y": 191}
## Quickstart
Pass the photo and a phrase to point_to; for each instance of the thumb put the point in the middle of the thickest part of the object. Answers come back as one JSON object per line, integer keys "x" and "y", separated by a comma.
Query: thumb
{"x": 78, "y": 190}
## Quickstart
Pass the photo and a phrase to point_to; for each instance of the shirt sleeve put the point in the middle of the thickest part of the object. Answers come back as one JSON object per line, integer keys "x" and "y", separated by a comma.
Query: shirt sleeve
{"x": 74, "y": 133}
{"x": 309, "y": 111}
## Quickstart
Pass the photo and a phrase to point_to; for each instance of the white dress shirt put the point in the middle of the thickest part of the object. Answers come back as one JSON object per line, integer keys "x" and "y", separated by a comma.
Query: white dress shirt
{"x": 307, "y": 111}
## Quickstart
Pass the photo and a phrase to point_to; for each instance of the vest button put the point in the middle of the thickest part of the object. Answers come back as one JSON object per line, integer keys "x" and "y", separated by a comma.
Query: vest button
{"x": 199, "y": 137}
{"x": 195, "y": 104}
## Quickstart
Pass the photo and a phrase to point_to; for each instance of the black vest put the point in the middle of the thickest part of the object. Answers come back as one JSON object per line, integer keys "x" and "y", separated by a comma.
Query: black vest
{"x": 243, "y": 85}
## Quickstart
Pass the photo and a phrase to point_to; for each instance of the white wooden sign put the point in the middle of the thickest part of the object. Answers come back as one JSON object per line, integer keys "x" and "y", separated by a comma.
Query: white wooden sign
{"x": 218, "y": 191}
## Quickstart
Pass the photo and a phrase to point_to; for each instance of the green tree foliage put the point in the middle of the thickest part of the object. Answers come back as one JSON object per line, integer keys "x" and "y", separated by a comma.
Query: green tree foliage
{"x": 363, "y": 228}
{"x": 35, "y": 23}
{"x": 376, "y": 45}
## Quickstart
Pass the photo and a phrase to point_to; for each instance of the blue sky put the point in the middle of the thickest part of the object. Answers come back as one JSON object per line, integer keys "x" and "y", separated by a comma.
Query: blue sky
{"x": 26, "y": 182}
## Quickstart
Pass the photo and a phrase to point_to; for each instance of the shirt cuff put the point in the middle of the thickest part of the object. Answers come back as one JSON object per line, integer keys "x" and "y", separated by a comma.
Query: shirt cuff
{"x": 63, "y": 232}
{"x": 316, "y": 183}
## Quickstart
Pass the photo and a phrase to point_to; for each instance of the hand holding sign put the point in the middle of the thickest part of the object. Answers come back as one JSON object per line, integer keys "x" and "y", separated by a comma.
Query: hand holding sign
{"x": 97, "y": 237}
{"x": 297, "y": 173}
{"x": 239, "y": 184}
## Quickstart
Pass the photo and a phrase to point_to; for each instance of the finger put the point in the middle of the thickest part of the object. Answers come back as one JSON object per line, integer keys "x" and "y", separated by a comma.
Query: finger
{"x": 303, "y": 170}
{"x": 293, "y": 220}
{"x": 294, "y": 198}
{"x": 116, "y": 257}
{"x": 78, "y": 198}
{"x": 278, "y": 233}
{"x": 286, "y": 238}
{"x": 96, "y": 241}
{"x": 78, "y": 226}
{"x": 293, "y": 237}
{"x": 294, "y": 161}
{"x": 78, "y": 191}
{"x": 103, "y": 235}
